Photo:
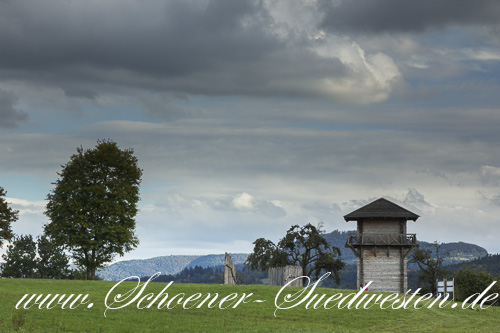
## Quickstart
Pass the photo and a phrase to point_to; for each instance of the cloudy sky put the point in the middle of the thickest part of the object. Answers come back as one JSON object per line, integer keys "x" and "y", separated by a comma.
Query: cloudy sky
{"x": 250, "y": 116}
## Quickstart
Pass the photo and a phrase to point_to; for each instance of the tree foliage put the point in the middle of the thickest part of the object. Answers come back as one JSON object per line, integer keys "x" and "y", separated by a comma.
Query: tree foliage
{"x": 302, "y": 246}
{"x": 52, "y": 262}
{"x": 93, "y": 205}
{"x": 7, "y": 217}
{"x": 469, "y": 281}
{"x": 20, "y": 258}
{"x": 22, "y": 261}
{"x": 431, "y": 267}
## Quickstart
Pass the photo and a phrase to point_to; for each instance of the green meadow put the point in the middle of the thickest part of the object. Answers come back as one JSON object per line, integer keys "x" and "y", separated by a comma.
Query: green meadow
{"x": 246, "y": 317}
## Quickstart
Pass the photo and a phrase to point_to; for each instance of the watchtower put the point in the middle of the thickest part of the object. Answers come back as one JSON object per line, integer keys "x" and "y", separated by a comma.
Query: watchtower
{"x": 382, "y": 245}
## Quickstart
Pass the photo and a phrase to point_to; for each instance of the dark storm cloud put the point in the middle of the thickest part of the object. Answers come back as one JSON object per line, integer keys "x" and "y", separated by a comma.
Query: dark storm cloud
{"x": 213, "y": 47}
{"x": 173, "y": 38}
{"x": 79, "y": 91}
{"x": 407, "y": 16}
{"x": 9, "y": 115}
{"x": 131, "y": 43}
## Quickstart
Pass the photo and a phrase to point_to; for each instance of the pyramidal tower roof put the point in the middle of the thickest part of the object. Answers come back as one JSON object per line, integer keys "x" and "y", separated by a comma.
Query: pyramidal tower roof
{"x": 381, "y": 209}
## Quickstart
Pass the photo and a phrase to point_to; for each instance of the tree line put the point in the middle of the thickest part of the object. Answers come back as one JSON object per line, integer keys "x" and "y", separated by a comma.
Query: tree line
{"x": 212, "y": 275}
{"x": 42, "y": 259}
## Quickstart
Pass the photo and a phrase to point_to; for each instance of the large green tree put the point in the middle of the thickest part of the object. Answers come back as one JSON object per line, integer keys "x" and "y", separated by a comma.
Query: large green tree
{"x": 93, "y": 205}
{"x": 7, "y": 217}
{"x": 302, "y": 246}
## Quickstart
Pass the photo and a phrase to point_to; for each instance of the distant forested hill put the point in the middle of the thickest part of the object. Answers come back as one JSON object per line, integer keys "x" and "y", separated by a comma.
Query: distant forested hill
{"x": 168, "y": 265}
{"x": 213, "y": 260}
{"x": 454, "y": 252}
{"x": 489, "y": 264}
{"x": 457, "y": 252}
{"x": 143, "y": 267}
{"x": 338, "y": 239}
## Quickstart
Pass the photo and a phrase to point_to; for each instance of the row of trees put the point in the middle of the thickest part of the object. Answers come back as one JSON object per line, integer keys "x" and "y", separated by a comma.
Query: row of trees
{"x": 91, "y": 209}
{"x": 42, "y": 259}
{"x": 214, "y": 274}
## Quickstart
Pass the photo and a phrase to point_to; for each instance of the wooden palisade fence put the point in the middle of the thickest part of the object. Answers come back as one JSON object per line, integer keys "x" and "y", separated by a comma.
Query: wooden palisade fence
{"x": 279, "y": 276}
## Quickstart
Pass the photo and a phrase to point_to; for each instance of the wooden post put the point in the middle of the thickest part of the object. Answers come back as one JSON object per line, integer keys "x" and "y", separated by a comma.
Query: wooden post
{"x": 229, "y": 270}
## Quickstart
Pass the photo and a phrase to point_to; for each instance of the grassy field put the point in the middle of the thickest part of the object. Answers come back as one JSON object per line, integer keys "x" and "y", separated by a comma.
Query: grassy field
{"x": 251, "y": 316}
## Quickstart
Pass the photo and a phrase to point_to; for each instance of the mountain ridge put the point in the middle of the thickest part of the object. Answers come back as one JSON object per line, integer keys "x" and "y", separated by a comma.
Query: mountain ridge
{"x": 168, "y": 265}
{"x": 454, "y": 252}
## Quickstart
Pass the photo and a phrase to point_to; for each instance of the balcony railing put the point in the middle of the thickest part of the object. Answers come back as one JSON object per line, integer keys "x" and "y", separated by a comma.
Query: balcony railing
{"x": 381, "y": 239}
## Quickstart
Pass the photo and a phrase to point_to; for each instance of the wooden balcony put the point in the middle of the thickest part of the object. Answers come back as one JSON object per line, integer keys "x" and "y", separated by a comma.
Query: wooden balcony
{"x": 355, "y": 240}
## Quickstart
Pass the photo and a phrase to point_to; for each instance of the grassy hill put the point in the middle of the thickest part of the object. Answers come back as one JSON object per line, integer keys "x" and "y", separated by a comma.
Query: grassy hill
{"x": 252, "y": 316}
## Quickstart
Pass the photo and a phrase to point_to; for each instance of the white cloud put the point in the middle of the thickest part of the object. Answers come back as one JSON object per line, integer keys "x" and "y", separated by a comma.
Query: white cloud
{"x": 244, "y": 201}
{"x": 479, "y": 54}
{"x": 26, "y": 206}
{"x": 372, "y": 76}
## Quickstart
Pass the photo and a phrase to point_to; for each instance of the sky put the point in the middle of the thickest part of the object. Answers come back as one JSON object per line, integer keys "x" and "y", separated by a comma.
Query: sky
{"x": 248, "y": 117}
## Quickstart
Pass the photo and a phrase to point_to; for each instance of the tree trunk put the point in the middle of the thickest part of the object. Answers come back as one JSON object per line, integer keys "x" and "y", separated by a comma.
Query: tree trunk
{"x": 93, "y": 264}
{"x": 87, "y": 266}
{"x": 304, "y": 273}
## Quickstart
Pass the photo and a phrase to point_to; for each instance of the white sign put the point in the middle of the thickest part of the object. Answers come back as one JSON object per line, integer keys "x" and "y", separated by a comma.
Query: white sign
{"x": 446, "y": 286}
